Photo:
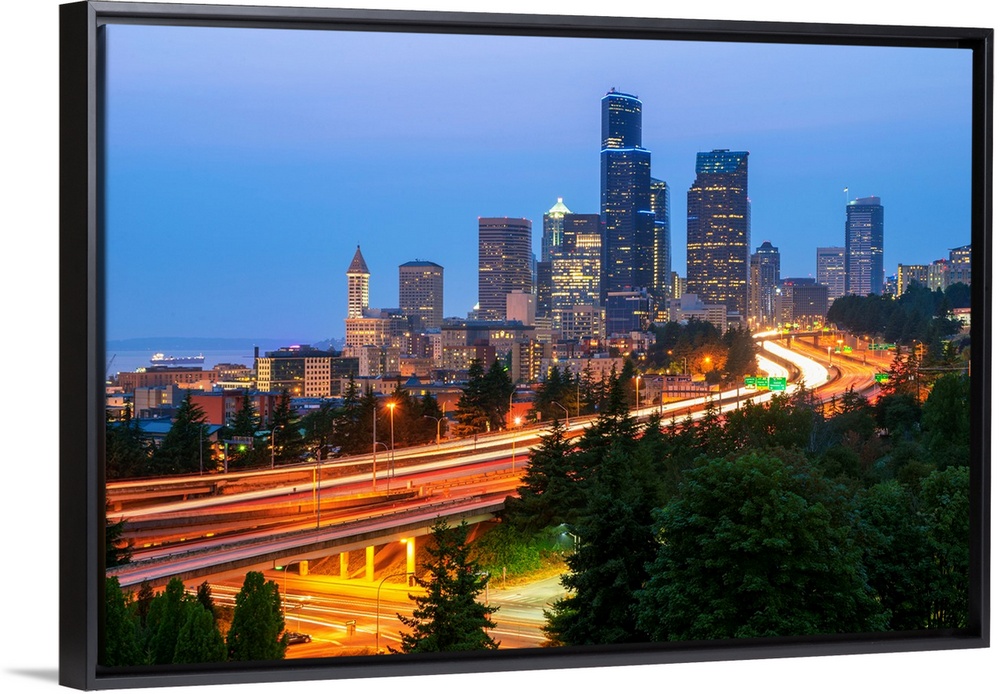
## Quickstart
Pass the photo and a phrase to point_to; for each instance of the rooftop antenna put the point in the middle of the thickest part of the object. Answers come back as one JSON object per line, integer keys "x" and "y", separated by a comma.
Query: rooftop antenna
{"x": 846, "y": 196}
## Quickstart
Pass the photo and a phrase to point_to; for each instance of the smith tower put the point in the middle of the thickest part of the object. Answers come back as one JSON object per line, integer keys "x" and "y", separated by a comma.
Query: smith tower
{"x": 718, "y": 230}
{"x": 628, "y": 257}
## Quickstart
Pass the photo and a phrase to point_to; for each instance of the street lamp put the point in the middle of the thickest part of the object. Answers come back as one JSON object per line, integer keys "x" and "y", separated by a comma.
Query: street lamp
{"x": 564, "y": 410}
{"x": 638, "y": 379}
{"x": 379, "y": 443}
{"x": 437, "y": 439}
{"x": 272, "y": 446}
{"x": 392, "y": 440}
{"x": 517, "y": 422}
{"x": 378, "y": 597}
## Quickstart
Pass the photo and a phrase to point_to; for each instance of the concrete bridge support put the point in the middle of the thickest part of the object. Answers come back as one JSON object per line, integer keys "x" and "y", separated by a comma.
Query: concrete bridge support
{"x": 370, "y": 563}
{"x": 344, "y": 564}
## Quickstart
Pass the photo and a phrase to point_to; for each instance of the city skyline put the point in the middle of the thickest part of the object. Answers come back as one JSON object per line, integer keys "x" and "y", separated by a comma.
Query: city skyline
{"x": 288, "y": 200}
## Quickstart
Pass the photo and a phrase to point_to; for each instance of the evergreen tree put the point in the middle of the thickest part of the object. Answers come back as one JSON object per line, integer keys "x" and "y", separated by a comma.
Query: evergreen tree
{"x": 121, "y": 628}
{"x": 185, "y": 447}
{"x": 944, "y": 497}
{"x": 947, "y": 420}
{"x": 548, "y": 495}
{"x": 609, "y": 567}
{"x": 198, "y": 639}
{"x": 449, "y": 617}
{"x": 756, "y": 546}
{"x": 258, "y": 622}
{"x": 118, "y": 550}
{"x": 286, "y": 437}
{"x": 127, "y": 450}
{"x": 471, "y": 412}
{"x": 166, "y": 616}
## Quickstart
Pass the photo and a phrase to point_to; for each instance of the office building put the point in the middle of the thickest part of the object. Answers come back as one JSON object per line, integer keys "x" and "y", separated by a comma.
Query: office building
{"x": 863, "y": 246}
{"x": 504, "y": 263}
{"x": 659, "y": 201}
{"x": 627, "y": 311}
{"x": 765, "y": 272}
{"x": 960, "y": 265}
{"x": 910, "y": 274}
{"x": 831, "y": 271}
{"x": 718, "y": 230}
{"x": 421, "y": 294}
{"x": 552, "y": 228}
{"x": 802, "y": 302}
{"x": 629, "y": 223}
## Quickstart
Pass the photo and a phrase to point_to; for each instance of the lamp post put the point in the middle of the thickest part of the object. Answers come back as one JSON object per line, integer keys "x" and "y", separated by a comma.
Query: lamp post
{"x": 638, "y": 379}
{"x": 510, "y": 408}
{"x": 517, "y": 422}
{"x": 564, "y": 410}
{"x": 378, "y": 597}
{"x": 437, "y": 439}
{"x": 379, "y": 443}
{"x": 392, "y": 442}
{"x": 272, "y": 446}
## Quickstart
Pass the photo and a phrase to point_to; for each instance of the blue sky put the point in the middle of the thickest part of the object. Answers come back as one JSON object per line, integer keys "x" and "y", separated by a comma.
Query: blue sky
{"x": 244, "y": 166}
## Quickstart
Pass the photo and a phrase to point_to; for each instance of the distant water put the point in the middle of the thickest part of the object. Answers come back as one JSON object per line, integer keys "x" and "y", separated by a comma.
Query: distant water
{"x": 130, "y": 360}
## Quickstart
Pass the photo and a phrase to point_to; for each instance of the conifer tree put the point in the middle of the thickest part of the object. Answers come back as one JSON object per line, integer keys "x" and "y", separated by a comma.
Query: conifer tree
{"x": 449, "y": 617}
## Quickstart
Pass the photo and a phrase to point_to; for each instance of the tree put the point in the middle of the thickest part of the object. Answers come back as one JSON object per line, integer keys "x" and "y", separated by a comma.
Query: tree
{"x": 449, "y": 617}
{"x": 548, "y": 494}
{"x": 258, "y": 622}
{"x": 470, "y": 412}
{"x": 754, "y": 545}
{"x": 609, "y": 567}
{"x": 185, "y": 447}
{"x": 286, "y": 437}
{"x": 166, "y": 616}
{"x": 127, "y": 450}
{"x": 947, "y": 420}
{"x": 198, "y": 639}
{"x": 118, "y": 550}
{"x": 121, "y": 628}
{"x": 944, "y": 497}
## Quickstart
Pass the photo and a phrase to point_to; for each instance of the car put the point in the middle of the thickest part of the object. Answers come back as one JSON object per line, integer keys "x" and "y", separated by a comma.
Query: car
{"x": 296, "y": 637}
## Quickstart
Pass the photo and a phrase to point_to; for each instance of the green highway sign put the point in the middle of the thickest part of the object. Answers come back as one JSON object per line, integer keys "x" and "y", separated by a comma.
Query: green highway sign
{"x": 848, "y": 350}
{"x": 762, "y": 381}
{"x": 878, "y": 346}
{"x": 881, "y": 378}
{"x": 777, "y": 383}
{"x": 750, "y": 381}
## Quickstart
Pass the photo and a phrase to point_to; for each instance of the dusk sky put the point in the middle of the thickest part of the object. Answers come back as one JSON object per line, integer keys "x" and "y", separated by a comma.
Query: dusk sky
{"x": 245, "y": 166}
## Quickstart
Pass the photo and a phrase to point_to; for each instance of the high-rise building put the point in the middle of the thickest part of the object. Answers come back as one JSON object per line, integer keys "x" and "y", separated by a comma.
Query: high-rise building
{"x": 357, "y": 286}
{"x": 830, "y": 270}
{"x": 802, "y": 302}
{"x": 765, "y": 273}
{"x": 629, "y": 223}
{"x": 504, "y": 263}
{"x": 863, "y": 246}
{"x": 907, "y": 275}
{"x": 718, "y": 230}
{"x": 421, "y": 293}
{"x": 960, "y": 265}
{"x": 659, "y": 201}
{"x": 552, "y": 229}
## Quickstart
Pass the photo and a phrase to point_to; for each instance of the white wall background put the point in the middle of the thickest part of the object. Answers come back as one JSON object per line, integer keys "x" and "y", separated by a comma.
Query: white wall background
{"x": 28, "y": 344}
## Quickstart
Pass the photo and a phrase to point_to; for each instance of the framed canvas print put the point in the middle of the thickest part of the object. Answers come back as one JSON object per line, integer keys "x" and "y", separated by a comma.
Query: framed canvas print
{"x": 411, "y": 342}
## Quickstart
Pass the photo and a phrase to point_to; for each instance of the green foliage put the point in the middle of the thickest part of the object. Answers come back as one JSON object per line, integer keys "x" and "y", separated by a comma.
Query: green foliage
{"x": 548, "y": 494}
{"x": 506, "y": 550}
{"x": 198, "y": 638}
{"x": 287, "y": 438}
{"x": 127, "y": 451}
{"x": 610, "y": 565}
{"x": 118, "y": 550}
{"x": 944, "y": 496}
{"x": 258, "y": 621}
{"x": 121, "y": 627}
{"x": 947, "y": 420}
{"x": 485, "y": 399}
{"x": 185, "y": 447}
{"x": 754, "y": 545}
{"x": 448, "y": 617}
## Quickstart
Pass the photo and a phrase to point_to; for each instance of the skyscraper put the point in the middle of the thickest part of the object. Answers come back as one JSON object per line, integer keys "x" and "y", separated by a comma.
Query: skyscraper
{"x": 357, "y": 285}
{"x": 629, "y": 223}
{"x": 552, "y": 229}
{"x": 831, "y": 270}
{"x": 659, "y": 201}
{"x": 421, "y": 293}
{"x": 863, "y": 246}
{"x": 504, "y": 263}
{"x": 718, "y": 230}
{"x": 765, "y": 273}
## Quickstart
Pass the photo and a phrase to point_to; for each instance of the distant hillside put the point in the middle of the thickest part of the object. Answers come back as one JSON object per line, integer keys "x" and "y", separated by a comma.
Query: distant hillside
{"x": 203, "y": 344}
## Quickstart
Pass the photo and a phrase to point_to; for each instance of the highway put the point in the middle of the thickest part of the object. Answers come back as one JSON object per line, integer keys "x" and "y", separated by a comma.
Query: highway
{"x": 218, "y": 527}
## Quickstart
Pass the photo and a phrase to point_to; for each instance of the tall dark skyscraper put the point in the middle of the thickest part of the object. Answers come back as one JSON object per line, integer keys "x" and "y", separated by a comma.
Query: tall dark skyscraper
{"x": 863, "y": 247}
{"x": 552, "y": 229}
{"x": 504, "y": 263}
{"x": 765, "y": 273}
{"x": 718, "y": 230}
{"x": 628, "y": 258}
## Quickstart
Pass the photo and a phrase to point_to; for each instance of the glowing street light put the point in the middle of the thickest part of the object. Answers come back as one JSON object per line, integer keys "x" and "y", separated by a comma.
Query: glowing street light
{"x": 392, "y": 439}
{"x": 638, "y": 379}
{"x": 517, "y": 423}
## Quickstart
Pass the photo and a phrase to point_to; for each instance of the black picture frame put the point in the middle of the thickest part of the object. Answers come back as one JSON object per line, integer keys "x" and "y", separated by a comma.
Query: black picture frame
{"x": 82, "y": 326}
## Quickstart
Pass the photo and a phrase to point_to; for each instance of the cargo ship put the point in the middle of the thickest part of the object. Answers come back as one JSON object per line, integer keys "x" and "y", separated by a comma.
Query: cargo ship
{"x": 160, "y": 359}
